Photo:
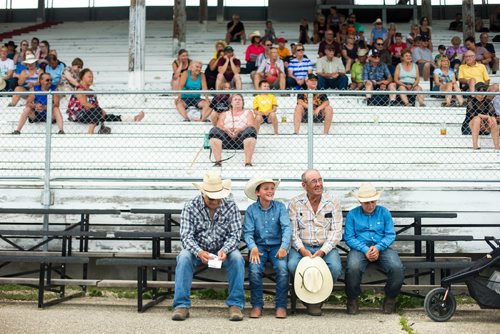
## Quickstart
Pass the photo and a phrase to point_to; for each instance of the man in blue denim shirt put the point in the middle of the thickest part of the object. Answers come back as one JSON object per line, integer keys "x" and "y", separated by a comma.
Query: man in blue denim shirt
{"x": 210, "y": 227}
{"x": 369, "y": 233}
{"x": 376, "y": 76}
{"x": 268, "y": 234}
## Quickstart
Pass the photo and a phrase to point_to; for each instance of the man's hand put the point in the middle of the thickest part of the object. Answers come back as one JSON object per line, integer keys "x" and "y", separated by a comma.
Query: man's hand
{"x": 281, "y": 253}
{"x": 255, "y": 255}
{"x": 204, "y": 256}
{"x": 304, "y": 252}
{"x": 319, "y": 253}
{"x": 39, "y": 107}
{"x": 222, "y": 255}
{"x": 372, "y": 254}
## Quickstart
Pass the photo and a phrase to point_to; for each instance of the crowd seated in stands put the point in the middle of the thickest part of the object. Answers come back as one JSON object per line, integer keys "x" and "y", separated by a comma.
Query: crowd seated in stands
{"x": 36, "y": 105}
{"x": 235, "y": 31}
{"x": 254, "y": 49}
{"x": 330, "y": 71}
{"x": 271, "y": 70}
{"x": 322, "y": 111}
{"x": 235, "y": 130}
{"x": 298, "y": 69}
{"x": 193, "y": 79}
{"x": 264, "y": 108}
{"x": 85, "y": 108}
{"x": 376, "y": 76}
{"x": 483, "y": 42}
{"x": 445, "y": 81}
{"x": 27, "y": 79}
{"x": 407, "y": 78}
{"x": 179, "y": 66}
{"x": 229, "y": 68}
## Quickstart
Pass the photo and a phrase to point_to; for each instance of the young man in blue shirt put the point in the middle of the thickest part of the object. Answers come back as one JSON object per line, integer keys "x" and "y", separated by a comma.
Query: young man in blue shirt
{"x": 268, "y": 235}
{"x": 369, "y": 233}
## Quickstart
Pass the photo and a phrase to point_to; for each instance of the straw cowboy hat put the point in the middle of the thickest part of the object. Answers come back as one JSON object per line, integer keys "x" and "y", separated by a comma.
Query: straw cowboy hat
{"x": 2, "y": 84}
{"x": 30, "y": 59}
{"x": 367, "y": 193}
{"x": 256, "y": 33}
{"x": 213, "y": 186}
{"x": 223, "y": 43}
{"x": 313, "y": 281}
{"x": 253, "y": 183}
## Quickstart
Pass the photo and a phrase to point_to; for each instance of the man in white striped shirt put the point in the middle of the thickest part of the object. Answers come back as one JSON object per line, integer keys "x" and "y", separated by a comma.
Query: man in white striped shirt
{"x": 298, "y": 69}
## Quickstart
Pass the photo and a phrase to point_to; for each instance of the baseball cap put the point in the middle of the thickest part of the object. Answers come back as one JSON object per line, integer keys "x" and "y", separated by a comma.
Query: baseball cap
{"x": 281, "y": 40}
{"x": 481, "y": 87}
{"x": 312, "y": 76}
{"x": 228, "y": 49}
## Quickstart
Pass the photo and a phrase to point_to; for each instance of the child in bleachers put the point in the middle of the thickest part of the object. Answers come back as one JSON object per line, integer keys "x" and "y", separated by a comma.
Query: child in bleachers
{"x": 441, "y": 54}
{"x": 264, "y": 108}
{"x": 269, "y": 34}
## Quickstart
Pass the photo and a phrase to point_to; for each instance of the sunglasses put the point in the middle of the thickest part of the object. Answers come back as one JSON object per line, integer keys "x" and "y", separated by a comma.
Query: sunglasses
{"x": 380, "y": 44}
{"x": 269, "y": 45}
{"x": 47, "y": 80}
{"x": 300, "y": 49}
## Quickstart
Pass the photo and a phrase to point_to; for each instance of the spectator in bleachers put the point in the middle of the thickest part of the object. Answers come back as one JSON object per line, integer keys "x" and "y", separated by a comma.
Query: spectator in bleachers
{"x": 329, "y": 40}
{"x": 264, "y": 108}
{"x": 298, "y": 69}
{"x": 482, "y": 55}
{"x": 414, "y": 32}
{"x": 210, "y": 224}
{"x": 43, "y": 54}
{"x": 391, "y": 36}
{"x": 267, "y": 234}
{"x": 479, "y": 25}
{"x": 269, "y": 33}
{"x": 7, "y": 68}
{"x": 211, "y": 71}
{"x": 471, "y": 72}
{"x": 330, "y": 71}
{"x": 456, "y": 24}
{"x": 383, "y": 53}
{"x": 11, "y": 50}
{"x": 422, "y": 56}
{"x": 35, "y": 46}
{"x": 69, "y": 79}
{"x": 304, "y": 32}
{"x": 483, "y": 41}
{"x": 376, "y": 76}
{"x": 193, "y": 79}
{"x": 85, "y": 108}
{"x": 36, "y": 105}
{"x": 378, "y": 31}
{"x": 179, "y": 66}
{"x": 254, "y": 49}
{"x": 357, "y": 82}
{"x": 272, "y": 70}
{"x": 396, "y": 48}
{"x": 351, "y": 21}
{"x": 55, "y": 69}
{"x": 480, "y": 118}
{"x": 322, "y": 111}
{"x": 235, "y": 31}
{"x": 320, "y": 28}
{"x": 455, "y": 52}
{"x": 441, "y": 53}
{"x": 282, "y": 49}
{"x": 27, "y": 79}
{"x": 262, "y": 58}
{"x": 445, "y": 81}
{"x": 349, "y": 53}
{"x": 407, "y": 78}
{"x": 219, "y": 46}
{"x": 425, "y": 31}
{"x": 21, "y": 55}
{"x": 220, "y": 103}
{"x": 235, "y": 130}
{"x": 361, "y": 40}
{"x": 495, "y": 20}
{"x": 229, "y": 68}
{"x": 334, "y": 22}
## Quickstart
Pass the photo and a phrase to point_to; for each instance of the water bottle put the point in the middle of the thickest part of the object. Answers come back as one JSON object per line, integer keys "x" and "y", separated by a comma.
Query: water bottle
{"x": 206, "y": 144}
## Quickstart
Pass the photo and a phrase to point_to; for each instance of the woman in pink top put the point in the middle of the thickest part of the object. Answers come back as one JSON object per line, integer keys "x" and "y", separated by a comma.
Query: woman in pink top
{"x": 253, "y": 51}
{"x": 235, "y": 130}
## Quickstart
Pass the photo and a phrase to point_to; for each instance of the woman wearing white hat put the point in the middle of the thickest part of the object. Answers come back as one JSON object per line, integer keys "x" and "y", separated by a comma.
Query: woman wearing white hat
{"x": 369, "y": 233}
{"x": 27, "y": 78}
{"x": 268, "y": 234}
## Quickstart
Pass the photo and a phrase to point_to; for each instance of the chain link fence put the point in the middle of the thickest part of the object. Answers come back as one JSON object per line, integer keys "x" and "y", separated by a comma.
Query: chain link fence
{"x": 155, "y": 135}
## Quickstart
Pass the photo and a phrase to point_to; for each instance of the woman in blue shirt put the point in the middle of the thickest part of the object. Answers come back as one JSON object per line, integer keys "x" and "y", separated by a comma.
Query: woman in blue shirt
{"x": 193, "y": 79}
{"x": 369, "y": 233}
{"x": 268, "y": 234}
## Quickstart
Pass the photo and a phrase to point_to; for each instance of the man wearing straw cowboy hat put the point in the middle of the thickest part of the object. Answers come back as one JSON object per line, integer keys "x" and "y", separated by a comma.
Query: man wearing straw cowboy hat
{"x": 316, "y": 219}
{"x": 369, "y": 233}
{"x": 210, "y": 228}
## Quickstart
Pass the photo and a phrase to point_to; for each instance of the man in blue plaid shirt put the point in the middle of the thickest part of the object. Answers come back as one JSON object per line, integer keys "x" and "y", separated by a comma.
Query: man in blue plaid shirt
{"x": 210, "y": 227}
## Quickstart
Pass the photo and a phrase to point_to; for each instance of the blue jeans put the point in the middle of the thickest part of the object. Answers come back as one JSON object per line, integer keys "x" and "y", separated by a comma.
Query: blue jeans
{"x": 389, "y": 261}
{"x": 256, "y": 271}
{"x": 235, "y": 268}
{"x": 332, "y": 260}
{"x": 333, "y": 83}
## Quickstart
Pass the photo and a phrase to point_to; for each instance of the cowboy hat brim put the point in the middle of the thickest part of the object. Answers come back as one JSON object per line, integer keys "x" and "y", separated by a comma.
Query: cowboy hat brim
{"x": 252, "y": 184}
{"x": 327, "y": 281}
{"x": 366, "y": 199}
{"x": 219, "y": 194}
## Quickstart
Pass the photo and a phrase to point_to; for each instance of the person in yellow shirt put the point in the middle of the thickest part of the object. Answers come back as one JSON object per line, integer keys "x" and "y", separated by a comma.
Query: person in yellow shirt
{"x": 471, "y": 72}
{"x": 282, "y": 49}
{"x": 264, "y": 108}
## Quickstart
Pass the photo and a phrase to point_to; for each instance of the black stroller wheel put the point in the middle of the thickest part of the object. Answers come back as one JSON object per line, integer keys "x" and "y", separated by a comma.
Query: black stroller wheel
{"x": 438, "y": 309}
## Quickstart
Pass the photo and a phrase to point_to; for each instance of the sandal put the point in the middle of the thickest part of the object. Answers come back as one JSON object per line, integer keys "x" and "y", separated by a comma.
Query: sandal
{"x": 16, "y": 132}
{"x": 61, "y": 132}
{"x": 104, "y": 130}
{"x": 248, "y": 164}
{"x": 218, "y": 164}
